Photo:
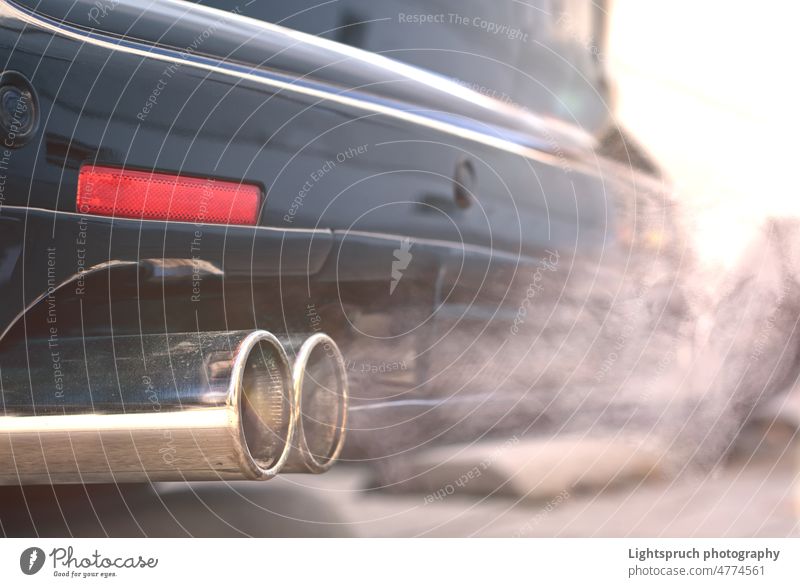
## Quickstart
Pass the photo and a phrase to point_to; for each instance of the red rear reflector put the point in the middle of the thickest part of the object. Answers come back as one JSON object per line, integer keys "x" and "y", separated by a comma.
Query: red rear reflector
{"x": 109, "y": 191}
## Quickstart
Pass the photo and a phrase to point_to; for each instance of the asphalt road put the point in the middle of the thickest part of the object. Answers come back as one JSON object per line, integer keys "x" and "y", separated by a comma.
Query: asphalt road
{"x": 571, "y": 486}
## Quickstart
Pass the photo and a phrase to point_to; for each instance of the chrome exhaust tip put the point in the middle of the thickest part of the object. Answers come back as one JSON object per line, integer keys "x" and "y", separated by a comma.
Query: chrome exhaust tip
{"x": 261, "y": 390}
{"x": 320, "y": 386}
{"x": 188, "y": 406}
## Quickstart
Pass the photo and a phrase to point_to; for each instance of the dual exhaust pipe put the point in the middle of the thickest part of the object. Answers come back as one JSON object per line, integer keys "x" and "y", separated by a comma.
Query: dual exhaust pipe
{"x": 174, "y": 407}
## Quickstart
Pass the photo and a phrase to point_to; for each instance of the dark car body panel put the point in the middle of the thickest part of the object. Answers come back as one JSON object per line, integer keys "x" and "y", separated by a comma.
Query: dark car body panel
{"x": 358, "y": 156}
{"x": 282, "y": 117}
